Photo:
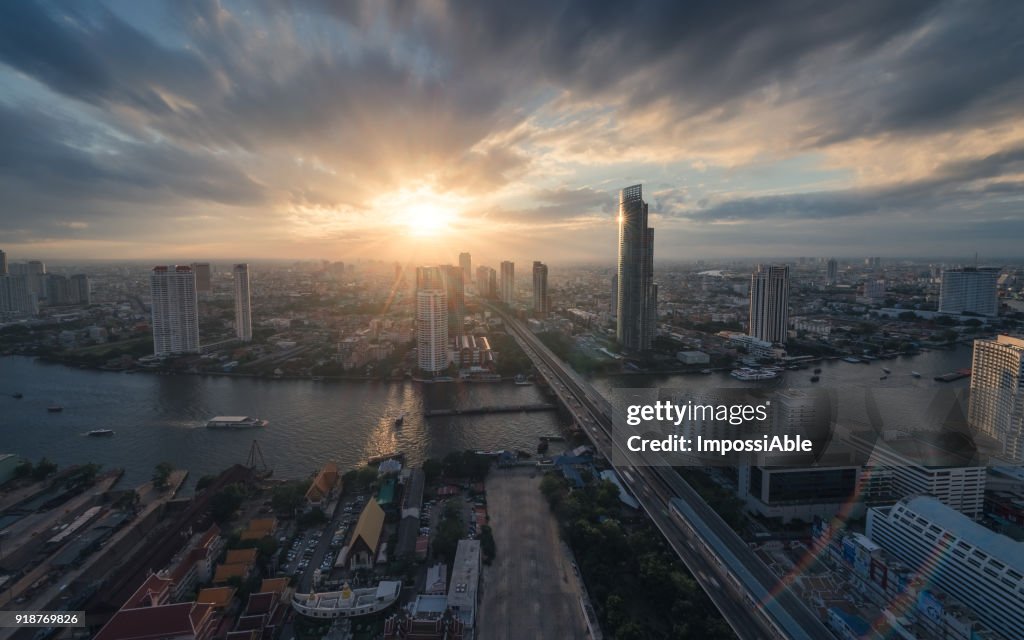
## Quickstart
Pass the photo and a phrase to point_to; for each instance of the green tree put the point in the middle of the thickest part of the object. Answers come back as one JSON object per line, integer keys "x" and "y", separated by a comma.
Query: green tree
{"x": 162, "y": 475}
{"x": 487, "y": 545}
{"x": 43, "y": 469}
{"x": 226, "y": 501}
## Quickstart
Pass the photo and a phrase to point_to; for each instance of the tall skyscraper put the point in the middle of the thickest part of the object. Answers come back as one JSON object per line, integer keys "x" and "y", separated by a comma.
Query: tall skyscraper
{"x": 36, "y": 271}
{"x": 832, "y": 272}
{"x": 58, "y": 291}
{"x": 16, "y": 298}
{"x": 175, "y": 317}
{"x": 637, "y": 307}
{"x": 3, "y": 263}
{"x": 541, "y": 302}
{"x": 969, "y": 290}
{"x": 769, "y": 303}
{"x": 997, "y": 393}
{"x": 467, "y": 267}
{"x": 431, "y": 320}
{"x": 508, "y": 282}
{"x": 455, "y": 294}
{"x": 204, "y": 281}
{"x": 80, "y": 289}
{"x": 486, "y": 282}
{"x": 243, "y": 303}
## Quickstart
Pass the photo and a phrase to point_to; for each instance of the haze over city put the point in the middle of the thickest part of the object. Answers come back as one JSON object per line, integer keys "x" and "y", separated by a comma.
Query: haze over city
{"x": 181, "y": 130}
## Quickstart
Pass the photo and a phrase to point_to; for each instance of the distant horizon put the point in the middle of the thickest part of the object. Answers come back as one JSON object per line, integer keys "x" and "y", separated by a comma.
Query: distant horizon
{"x": 378, "y": 130}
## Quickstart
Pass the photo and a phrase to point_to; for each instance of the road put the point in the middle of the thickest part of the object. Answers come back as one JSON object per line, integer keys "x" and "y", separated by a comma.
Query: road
{"x": 779, "y": 613}
{"x": 531, "y": 590}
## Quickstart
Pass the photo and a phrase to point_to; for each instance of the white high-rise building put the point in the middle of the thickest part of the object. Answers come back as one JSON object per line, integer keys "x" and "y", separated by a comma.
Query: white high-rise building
{"x": 769, "y": 303}
{"x": 507, "y": 284}
{"x": 243, "y": 303}
{"x": 996, "y": 406}
{"x": 175, "y": 316}
{"x": 969, "y": 290}
{"x": 432, "y": 319}
{"x": 981, "y": 569}
{"x": 16, "y": 297}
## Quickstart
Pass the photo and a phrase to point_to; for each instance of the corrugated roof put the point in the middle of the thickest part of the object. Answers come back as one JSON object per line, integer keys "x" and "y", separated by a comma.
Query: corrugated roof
{"x": 219, "y": 597}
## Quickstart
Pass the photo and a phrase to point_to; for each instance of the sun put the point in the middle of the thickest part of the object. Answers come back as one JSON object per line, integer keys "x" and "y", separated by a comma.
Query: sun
{"x": 427, "y": 219}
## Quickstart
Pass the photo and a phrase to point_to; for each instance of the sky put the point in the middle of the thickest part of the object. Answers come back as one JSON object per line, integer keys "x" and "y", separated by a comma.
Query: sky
{"x": 194, "y": 129}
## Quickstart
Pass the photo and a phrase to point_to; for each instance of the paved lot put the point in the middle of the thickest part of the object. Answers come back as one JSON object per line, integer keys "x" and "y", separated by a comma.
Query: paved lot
{"x": 530, "y": 591}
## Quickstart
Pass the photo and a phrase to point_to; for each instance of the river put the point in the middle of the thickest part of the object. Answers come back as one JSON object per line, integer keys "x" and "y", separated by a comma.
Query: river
{"x": 161, "y": 417}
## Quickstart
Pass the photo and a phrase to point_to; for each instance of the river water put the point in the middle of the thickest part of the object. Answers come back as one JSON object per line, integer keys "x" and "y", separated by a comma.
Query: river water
{"x": 161, "y": 418}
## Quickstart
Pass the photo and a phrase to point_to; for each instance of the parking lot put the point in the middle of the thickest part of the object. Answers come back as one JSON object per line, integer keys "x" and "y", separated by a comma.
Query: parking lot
{"x": 318, "y": 547}
{"x": 531, "y": 589}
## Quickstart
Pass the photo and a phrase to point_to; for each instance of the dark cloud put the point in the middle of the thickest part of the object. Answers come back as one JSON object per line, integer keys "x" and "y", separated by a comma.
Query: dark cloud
{"x": 959, "y": 185}
{"x": 322, "y": 104}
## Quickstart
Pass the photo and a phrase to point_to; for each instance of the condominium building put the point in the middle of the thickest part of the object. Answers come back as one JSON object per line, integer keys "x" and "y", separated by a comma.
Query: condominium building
{"x": 541, "y": 302}
{"x": 832, "y": 271}
{"x": 769, "y": 303}
{"x": 508, "y": 282}
{"x": 969, "y": 290}
{"x": 243, "y": 303}
{"x": 637, "y": 305}
{"x": 174, "y": 308}
{"x": 16, "y": 298}
{"x": 455, "y": 295}
{"x": 981, "y": 569}
{"x": 996, "y": 406}
{"x": 431, "y": 320}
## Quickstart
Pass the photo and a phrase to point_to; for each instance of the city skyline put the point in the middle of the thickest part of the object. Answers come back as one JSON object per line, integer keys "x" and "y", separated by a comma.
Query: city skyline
{"x": 165, "y": 130}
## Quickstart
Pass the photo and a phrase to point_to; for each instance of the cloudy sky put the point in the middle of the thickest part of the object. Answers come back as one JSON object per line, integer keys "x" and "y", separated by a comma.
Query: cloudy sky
{"x": 339, "y": 130}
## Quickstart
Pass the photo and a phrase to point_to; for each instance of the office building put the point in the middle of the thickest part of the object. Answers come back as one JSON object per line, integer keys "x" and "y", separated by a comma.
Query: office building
{"x": 455, "y": 295}
{"x": 16, "y": 298}
{"x": 175, "y": 317}
{"x": 541, "y": 302}
{"x": 769, "y": 303}
{"x": 486, "y": 282}
{"x": 831, "y": 272}
{"x": 431, "y": 320}
{"x": 81, "y": 291}
{"x": 243, "y": 303}
{"x": 996, "y": 406}
{"x": 3, "y": 263}
{"x": 636, "y": 311}
{"x": 902, "y": 466}
{"x": 507, "y": 288}
{"x": 204, "y": 278}
{"x": 969, "y": 290}
{"x": 981, "y": 569}
{"x": 467, "y": 267}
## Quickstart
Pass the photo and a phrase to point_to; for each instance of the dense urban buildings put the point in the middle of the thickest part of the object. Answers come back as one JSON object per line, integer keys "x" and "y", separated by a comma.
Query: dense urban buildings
{"x": 997, "y": 393}
{"x": 508, "y": 282}
{"x": 431, "y": 320}
{"x": 541, "y": 302}
{"x": 637, "y": 310}
{"x": 970, "y": 290}
{"x": 175, "y": 319}
{"x": 769, "y": 303}
{"x": 243, "y": 303}
{"x": 981, "y": 569}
